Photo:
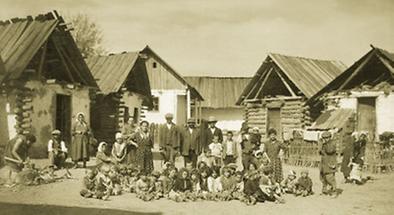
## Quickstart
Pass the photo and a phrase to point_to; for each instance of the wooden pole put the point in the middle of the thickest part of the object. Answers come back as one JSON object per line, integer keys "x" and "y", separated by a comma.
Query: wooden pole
{"x": 188, "y": 101}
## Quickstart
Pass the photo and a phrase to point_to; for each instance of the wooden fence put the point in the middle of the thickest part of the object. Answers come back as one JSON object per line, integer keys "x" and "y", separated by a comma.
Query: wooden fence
{"x": 379, "y": 159}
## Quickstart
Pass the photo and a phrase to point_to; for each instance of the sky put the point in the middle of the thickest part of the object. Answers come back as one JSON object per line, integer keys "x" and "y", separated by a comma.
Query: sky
{"x": 226, "y": 37}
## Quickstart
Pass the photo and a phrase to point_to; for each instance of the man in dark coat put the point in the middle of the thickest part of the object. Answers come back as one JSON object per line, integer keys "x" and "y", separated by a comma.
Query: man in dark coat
{"x": 328, "y": 164}
{"x": 212, "y": 131}
{"x": 190, "y": 144}
{"x": 169, "y": 139}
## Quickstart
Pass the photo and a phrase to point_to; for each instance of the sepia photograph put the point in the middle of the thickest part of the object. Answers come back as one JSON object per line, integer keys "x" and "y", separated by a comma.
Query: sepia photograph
{"x": 178, "y": 107}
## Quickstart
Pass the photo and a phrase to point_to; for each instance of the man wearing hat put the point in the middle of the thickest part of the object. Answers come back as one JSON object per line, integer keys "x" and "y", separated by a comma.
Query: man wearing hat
{"x": 190, "y": 144}
{"x": 212, "y": 131}
{"x": 328, "y": 164}
{"x": 169, "y": 139}
{"x": 57, "y": 151}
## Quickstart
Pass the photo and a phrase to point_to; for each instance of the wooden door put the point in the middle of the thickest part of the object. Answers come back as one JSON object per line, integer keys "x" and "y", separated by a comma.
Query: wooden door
{"x": 63, "y": 116}
{"x": 273, "y": 120}
{"x": 366, "y": 115}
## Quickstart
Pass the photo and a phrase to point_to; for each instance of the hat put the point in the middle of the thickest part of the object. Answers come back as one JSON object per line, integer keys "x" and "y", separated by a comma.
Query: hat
{"x": 56, "y": 132}
{"x": 232, "y": 166}
{"x": 118, "y": 135}
{"x": 191, "y": 120}
{"x": 212, "y": 119}
{"x": 258, "y": 153}
{"x": 326, "y": 134}
{"x": 169, "y": 116}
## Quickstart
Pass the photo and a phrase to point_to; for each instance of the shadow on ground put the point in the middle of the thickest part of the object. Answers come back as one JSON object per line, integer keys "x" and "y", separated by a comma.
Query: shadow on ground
{"x": 29, "y": 209}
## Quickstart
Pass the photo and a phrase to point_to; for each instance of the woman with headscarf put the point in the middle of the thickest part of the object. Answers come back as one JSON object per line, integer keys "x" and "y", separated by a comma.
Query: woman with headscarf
{"x": 80, "y": 143}
{"x": 102, "y": 156}
{"x": 144, "y": 156}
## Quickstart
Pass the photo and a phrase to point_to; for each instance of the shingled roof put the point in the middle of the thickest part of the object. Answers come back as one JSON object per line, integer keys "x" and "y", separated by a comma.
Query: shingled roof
{"x": 219, "y": 92}
{"x": 305, "y": 74}
{"x": 22, "y": 39}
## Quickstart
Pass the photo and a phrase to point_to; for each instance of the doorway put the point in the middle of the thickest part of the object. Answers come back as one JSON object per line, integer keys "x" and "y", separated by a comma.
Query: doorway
{"x": 366, "y": 115}
{"x": 63, "y": 116}
{"x": 273, "y": 120}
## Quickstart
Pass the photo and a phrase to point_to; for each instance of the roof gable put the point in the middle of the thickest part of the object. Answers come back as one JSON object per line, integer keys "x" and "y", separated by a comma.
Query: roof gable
{"x": 219, "y": 92}
{"x": 111, "y": 71}
{"x": 21, "y": 40}
{"x": 299, "y": 75}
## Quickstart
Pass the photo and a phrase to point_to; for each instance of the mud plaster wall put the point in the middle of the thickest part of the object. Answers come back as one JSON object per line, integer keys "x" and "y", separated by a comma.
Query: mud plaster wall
{"x": 44, "y": 111}
{"x": 133, "y": 100}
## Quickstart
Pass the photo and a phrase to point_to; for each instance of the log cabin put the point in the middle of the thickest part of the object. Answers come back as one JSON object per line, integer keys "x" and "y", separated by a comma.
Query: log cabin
{"x": 276, "y": 95}
{"x": 46, "y": 82}
{"x": 123, "y": 89}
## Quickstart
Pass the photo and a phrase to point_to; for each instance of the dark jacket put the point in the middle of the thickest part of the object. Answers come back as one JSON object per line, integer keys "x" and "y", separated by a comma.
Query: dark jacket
{"x": 169, "y": 137}
{"x": 210, "y": 135}
{"x": 182, "y": 185}
{"x": 190, "y": 141}
{"x": 328, "y": 158}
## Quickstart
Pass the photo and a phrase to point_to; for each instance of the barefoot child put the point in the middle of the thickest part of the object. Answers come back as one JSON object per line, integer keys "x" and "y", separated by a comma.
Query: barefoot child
{"x": 289, "y": 184}
{"x": 304, "y": 185}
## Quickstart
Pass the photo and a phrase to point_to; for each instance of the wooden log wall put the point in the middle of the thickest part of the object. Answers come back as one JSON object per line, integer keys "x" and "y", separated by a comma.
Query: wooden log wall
{"x": 23, "y": 110}
{"x": 293, "y": 114}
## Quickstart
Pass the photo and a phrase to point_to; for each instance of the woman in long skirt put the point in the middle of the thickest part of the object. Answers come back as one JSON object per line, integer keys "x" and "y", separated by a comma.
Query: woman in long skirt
{"x": 272, "y": 148}
{"x": 80, "y": 143}
{"x": 144, "y": 156}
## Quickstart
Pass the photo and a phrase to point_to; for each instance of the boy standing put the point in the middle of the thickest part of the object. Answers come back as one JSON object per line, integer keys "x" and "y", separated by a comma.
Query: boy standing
{"x": 229, "y": 149}
{"x": 215, "y": 154}
{"x": 328, "y": 164}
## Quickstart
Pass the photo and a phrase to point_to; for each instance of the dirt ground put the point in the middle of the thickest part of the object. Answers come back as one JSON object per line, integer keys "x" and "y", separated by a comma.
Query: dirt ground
{"x": 375, "y": 197}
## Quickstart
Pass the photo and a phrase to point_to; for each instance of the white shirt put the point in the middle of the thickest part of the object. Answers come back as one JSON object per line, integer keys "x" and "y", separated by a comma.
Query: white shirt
{"x": 229, "y": 145}
{"x": 169, "y": 126}
{"x": 62, "y": 146}
{"x": 216, "y": 149}
{"x": 213, "y": 130}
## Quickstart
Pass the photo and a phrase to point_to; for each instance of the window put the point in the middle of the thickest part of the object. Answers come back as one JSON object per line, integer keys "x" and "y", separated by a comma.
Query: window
{"x": 154, "y": 65}
{"x": 155, "y": 101}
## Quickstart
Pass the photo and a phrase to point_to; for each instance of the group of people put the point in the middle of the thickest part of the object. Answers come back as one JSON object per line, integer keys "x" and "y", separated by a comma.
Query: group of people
{"x": 191, "y": 184}
{"x": 210, "y": 162}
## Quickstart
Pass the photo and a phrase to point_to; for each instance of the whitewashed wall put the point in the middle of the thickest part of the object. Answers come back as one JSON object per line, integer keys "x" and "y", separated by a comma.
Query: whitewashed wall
{"x": 385, "y": 113}
{"x": 133, "y": 100}
{"x": 228, "y": 118}
{"x": 167, "y": 104}
{"x": 384, "y": 109}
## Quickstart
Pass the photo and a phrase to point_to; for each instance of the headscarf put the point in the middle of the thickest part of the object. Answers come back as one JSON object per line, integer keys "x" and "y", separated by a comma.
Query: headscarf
{"x": 100, "y": 147}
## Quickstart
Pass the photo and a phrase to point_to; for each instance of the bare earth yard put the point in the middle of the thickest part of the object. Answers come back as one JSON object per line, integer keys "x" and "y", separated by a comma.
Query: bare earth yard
{"x": 375, "y": 197}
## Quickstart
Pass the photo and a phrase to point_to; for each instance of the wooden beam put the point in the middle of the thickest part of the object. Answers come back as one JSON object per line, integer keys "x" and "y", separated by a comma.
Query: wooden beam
{"x": 262, "y": 83}
{"x": 63, "y": 61}
{"x": 42, "y": 59}
{"x": 256, "y": 83}
{"x": 285, "y": 82}
{"x": 358, "y": 69}
{"x": 387, "y": 64}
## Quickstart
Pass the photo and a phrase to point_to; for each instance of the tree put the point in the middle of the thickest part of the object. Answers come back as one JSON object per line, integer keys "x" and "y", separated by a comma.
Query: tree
{"x": 87, "y": 35}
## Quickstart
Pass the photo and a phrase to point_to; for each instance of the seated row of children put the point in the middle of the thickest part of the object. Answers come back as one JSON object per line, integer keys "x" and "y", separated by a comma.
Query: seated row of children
{"x": 202, "y": 183}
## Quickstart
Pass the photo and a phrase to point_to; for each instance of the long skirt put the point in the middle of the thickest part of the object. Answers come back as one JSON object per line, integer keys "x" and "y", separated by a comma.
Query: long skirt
{"x": 278, "y": 172}
{"x": 144, "y": 159}
{"x": 131, "y": 155}
{"x": 80, "y": 148}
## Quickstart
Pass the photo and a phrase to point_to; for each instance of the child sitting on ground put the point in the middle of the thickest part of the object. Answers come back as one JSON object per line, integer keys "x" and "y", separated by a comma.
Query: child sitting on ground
{"x": 304, "y": 184}
{"x": 101, "y": 155}
{"x": 269, "y": 187}
{"x": 168, "y": 179}
{"x": 225, "y": 184}
{"x": 238, "y": 191}
{"x": 212, "y": 180}
{"x": 182, "y": 186}
{"x": 143, "y": 188}
{"x": 205, "y": 172}
{"x": 215, "y": 152}
{"x": 195, "y": 179}
{"x": 288, "y": 184}
{"x": 103, "y": 183}
{"x": 88, "y": 184}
